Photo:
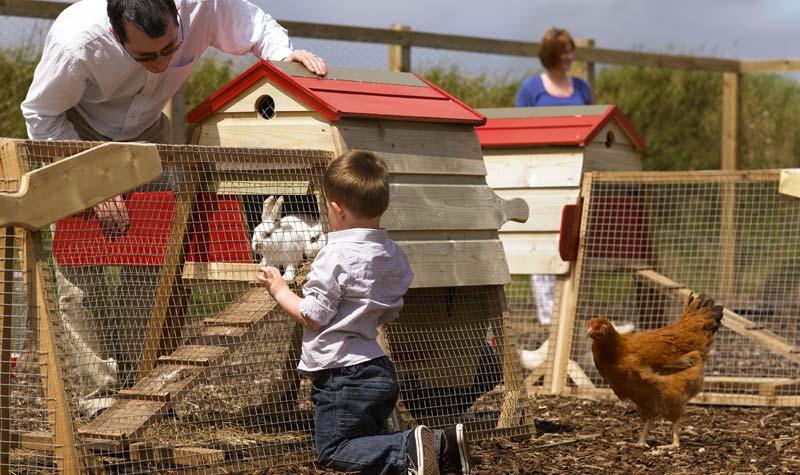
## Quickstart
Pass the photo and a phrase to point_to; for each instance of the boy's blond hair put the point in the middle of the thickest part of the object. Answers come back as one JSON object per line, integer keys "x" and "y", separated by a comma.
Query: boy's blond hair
{"x": 359, "y": 181}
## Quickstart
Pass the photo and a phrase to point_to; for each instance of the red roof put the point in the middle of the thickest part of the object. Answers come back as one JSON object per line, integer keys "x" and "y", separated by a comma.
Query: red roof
{"x": 349, "y": 93}
{"x": 551, "y": 126}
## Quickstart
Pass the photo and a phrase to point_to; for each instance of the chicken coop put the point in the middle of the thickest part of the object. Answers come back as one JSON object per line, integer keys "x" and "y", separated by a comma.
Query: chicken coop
{"x": 646, "y": 241}
{"x": 154, "y": 350}
{"x": 540, "y": 154}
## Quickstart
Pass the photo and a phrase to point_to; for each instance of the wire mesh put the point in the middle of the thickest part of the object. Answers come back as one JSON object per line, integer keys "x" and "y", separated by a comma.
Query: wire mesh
{"x": 650, "y": 239}
{"x": 170, "y": 358}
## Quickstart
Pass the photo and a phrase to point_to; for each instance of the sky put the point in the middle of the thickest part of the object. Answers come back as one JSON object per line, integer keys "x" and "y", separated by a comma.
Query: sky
{"x": 736, "y": 29}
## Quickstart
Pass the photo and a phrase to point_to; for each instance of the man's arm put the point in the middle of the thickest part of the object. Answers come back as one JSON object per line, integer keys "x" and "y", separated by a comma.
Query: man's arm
{"x": 58, "y": 84}
{"x": 239, "y": 27}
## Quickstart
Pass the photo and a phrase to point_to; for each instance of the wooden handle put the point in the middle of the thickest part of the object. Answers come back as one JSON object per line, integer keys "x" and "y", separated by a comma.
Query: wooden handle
{"x": 515, "y": 209}
{"x": 78, "y": 182}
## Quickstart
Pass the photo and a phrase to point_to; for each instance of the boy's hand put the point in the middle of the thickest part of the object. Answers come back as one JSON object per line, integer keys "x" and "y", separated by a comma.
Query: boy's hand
{"x": 272, "y": 279}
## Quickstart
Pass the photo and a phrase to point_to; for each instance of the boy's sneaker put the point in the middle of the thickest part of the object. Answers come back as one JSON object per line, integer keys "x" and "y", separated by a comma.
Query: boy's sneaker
{"x": 455, "y": 449}
{"x": 422, "y": 452}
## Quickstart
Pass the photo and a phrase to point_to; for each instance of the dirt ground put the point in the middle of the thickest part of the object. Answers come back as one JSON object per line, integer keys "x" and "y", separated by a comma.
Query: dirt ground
{"x": 578, "y": 436}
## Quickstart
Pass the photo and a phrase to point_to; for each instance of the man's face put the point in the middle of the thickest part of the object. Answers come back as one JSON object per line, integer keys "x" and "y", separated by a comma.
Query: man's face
{"x": 154, "y": 54}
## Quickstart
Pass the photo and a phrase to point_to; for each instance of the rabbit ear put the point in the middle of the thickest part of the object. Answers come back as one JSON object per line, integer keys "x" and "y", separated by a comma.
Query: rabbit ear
{"x": 266, "y": 212}
{"x": 276, "y": 212}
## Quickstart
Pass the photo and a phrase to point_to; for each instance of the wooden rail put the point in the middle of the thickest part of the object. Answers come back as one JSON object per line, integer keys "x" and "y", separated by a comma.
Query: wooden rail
{"x": 401, "y": 39}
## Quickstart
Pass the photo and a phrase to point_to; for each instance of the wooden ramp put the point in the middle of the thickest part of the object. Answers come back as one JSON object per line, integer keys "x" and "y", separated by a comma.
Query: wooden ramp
{"x": 175, "y": 374}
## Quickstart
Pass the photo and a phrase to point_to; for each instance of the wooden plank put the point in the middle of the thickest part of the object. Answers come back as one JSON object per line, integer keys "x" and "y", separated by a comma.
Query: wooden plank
{"x": 545, "y": 207}
{"x": 456, "y": 263}
{"x": 696, "y": 176}
{"x": 164, "y": 383}
{"x": 732, "y": 320}
{"x": 196, "y": 355}
{"x": 436, "y": 263}
{"x": 183, "y": 456}
{"x": 533, "y": 253}
{"x": 59, "y": 412}
{"x": 10, "y": 165}
{"x": 125, "y": 420}
{"x": 307, "y": 133}
{"x": 414, "y": 148}
{"x": 711, "y": 398}
{"x": 263, "y": 187}
{"x": 38, "y": 441}
{"x": 169, "y": 277}
{"x": 74, "y": 184}
{"x": 533, "y": 168}
{"x": 566, "y": 318}
{"x": 769, "y": 66}
{"x": 440, "y": 207}
{"x": 599, "y": 158}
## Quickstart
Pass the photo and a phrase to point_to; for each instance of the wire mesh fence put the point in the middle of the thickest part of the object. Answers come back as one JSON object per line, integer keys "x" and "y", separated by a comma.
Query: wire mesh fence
{"x": 651, "y": 239}
{"x": 146, "y": 344}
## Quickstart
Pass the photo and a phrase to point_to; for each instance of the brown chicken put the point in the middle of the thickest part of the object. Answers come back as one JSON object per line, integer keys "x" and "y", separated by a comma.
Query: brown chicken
{"x": 658, "y": 370}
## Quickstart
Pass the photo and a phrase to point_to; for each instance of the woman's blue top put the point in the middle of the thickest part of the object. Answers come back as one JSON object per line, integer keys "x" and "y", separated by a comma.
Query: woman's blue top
{"x": 532, "y": 93}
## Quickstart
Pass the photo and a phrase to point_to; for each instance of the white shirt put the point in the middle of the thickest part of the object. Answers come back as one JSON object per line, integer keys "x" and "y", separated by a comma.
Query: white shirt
{"x": 84, "y": 66}
{"x": 356, "y": 282}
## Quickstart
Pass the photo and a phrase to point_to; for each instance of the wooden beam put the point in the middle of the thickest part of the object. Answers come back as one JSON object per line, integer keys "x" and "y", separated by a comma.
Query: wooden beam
{"x": 730, "y": 114}
{"x": 731, "y": 320}
{"x": 712, "y": 398}
{"x": 58, "y": 407}
{"x": 170, "y": 283}
{"x": 400, "y": 55}
{"x": 584, "y": 69}
{"x": 7, "y": 238}
{"x": 74, "y": 184}
{"x": 770, "y": 66}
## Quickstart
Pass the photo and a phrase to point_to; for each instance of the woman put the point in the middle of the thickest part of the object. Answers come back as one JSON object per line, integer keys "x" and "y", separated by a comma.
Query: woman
{"x": 554, "y": 87}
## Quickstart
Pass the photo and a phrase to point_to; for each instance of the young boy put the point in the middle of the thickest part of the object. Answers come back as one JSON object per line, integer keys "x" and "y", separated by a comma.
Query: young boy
{"x": 356, "y": 283}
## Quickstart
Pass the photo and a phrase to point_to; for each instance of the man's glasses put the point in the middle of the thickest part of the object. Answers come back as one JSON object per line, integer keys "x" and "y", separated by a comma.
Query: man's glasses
{"x": 147, "y": 58}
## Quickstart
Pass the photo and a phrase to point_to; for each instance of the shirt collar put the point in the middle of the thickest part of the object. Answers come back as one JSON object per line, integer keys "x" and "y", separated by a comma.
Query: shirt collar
{"x": 359, "y": 235}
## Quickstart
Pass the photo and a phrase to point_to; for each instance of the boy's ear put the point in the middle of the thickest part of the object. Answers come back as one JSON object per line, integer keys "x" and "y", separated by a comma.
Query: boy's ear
{"x": 337, "y": 209}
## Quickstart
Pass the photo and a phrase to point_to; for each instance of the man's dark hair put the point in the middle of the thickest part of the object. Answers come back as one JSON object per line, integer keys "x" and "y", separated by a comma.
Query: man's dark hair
{"x": 150, "y": 16}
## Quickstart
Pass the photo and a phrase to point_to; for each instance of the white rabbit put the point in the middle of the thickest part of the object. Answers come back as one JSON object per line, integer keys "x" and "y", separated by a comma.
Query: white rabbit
{"x": 285, "y": 241}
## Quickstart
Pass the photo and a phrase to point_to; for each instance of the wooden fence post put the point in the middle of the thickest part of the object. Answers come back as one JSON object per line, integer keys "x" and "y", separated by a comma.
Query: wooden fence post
{"x": 400, "y": 55}
{"x": 730, "y": 114}
{"x": 584, "y": 69}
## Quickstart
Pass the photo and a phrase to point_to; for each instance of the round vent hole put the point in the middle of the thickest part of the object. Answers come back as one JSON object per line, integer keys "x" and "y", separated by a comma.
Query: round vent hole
{"x": 265, "y": 105}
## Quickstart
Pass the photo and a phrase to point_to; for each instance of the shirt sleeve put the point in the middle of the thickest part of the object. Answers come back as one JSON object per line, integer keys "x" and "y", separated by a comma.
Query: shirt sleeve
{"x": 322, "y": 292}
{"x": 58, "y": 85}
{"x": 240, "y": 27}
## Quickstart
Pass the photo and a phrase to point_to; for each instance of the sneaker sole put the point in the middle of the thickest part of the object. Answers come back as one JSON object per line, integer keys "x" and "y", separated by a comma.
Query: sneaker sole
{"x": 463, "y": 449}
{"x": 426, "y": 447}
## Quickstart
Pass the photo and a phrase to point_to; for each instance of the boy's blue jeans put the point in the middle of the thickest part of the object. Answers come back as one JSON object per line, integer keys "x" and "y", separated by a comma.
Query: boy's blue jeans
{"x": 351, "y": 405}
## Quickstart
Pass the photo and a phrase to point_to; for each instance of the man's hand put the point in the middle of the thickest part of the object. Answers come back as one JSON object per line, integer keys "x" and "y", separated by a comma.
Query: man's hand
{"x": 272, "y": 279}
{"x": 113, "y": 217}
{"x": 312, "y": 62}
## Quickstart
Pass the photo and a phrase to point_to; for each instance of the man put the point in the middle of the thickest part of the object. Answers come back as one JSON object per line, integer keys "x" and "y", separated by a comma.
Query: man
{"x": 107, "y": 71}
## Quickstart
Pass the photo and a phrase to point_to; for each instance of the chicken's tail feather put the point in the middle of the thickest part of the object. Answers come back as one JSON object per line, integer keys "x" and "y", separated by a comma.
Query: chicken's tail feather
{"x": 703, "y": 307}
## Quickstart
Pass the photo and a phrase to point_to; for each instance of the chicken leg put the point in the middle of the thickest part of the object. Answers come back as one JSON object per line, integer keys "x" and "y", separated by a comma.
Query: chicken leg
{"x": 645, "y": 430}
{"x": 676, "y": 437}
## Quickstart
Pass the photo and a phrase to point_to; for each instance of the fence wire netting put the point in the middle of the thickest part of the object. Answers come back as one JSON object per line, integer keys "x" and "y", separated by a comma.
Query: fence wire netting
{"x": 651, "y": 239}
{"x": 171, "y": 358}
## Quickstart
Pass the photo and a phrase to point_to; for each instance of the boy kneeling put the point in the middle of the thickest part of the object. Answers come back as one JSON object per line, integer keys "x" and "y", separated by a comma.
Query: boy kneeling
{"x": 356, "y": 283}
